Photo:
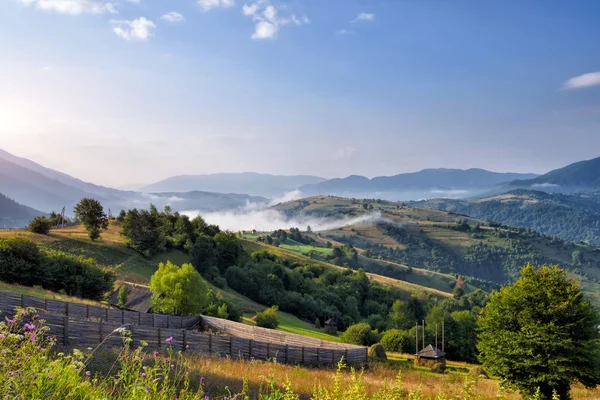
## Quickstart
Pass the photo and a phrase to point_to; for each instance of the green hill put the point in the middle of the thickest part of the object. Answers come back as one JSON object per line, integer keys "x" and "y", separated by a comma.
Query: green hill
{"x": 401, "y": 236}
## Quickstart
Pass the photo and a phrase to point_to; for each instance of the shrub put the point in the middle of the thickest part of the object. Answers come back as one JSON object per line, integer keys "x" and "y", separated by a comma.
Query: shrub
{"x": 21, "y": 262}
{"x": 377, "y": 352}
{"x": 122, "y": 300}
{"x": 40, "y": 225}
{"x": 397, "y": 341}
{"x": 268, "y": 318}
{"x": 478, "y": 372}
{"x": 360, "y": 334}
{"x": 438, "y": 368}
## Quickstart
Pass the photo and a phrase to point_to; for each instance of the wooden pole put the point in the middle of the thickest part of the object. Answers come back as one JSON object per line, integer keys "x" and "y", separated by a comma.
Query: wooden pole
{"x": 417, "y": 337}
{"x": 423, "y": 333}
{"x": 442, "y": 335}
{"x": 436, "y": 336}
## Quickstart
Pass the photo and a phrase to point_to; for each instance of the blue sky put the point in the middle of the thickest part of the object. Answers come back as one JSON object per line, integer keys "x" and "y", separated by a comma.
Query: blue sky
{"x": 152, "y": 88}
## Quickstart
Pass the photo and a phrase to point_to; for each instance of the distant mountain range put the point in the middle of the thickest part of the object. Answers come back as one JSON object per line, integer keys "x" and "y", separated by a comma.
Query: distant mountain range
{"x": 428, "y": 183}
{"x": 45, "y": 189}
{"x": 582, "y": 176}
{"x": 247, "y": 182}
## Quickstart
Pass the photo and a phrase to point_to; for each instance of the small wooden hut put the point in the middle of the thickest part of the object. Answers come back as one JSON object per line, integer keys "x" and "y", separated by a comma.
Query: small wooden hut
{"x": 330, "y": 327}
{"x": 430, "y": 356}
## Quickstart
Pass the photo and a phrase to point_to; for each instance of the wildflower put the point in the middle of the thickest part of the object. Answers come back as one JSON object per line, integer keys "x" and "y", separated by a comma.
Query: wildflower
{"x": 2, "y": 336}
{"x": 29, "y": 327}
{"x": 36, "y": 316}
{"x": 49, "y": 376}
{"x": 88, "y": 373}
{"x": 10, "y": 321}
{"x": 18, "y": 358}
{"x": 202, "y": 381}
{"x": 143, "y": 374}
{"x": 155, "y": 353}
{"x": 206, "y": 398}
{"x": 169, "y": 339}
{"x": 23, "y": 313}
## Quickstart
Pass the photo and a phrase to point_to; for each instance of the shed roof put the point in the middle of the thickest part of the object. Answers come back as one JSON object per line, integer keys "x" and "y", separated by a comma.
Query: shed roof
{"x": 431, "y": 352}
{"x": 138, "y": 297}
{"x": 330, "y": 321}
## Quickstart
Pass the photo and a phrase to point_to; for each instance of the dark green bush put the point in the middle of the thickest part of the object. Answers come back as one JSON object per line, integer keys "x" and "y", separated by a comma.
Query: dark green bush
{"x": 360, "y": 334}
{"x": 397, "y": 341}
{"x": 40, "y": 225}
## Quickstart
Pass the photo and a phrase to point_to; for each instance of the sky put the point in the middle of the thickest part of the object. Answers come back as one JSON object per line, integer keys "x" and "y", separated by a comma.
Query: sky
{"x": 133, "y": 91}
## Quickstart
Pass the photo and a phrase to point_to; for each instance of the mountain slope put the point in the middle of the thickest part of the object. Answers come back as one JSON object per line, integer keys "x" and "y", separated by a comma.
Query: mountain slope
{"x": 248, "y": 182}
{"x": 425, "y": 183}
{"x": 15, "y": 215}
{"x": 570, "y": 217}
{"x": 577, "y": 177}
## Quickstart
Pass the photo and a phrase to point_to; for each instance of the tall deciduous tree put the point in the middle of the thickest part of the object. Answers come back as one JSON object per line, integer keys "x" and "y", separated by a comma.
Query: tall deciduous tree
{"x": 178, "y": 290}
{"x": 92, "y": 216}
{"x": 541, "y": 333}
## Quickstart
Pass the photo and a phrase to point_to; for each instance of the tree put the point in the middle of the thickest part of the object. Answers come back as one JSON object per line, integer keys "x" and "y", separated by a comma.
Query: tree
{"x": 92, "y": 216}
{"x": 400, "y": 316}
{"x": 40, "y": 225}
{"x": 458, "y": 292}
{"x": 202, "y": 253}
{"x": 143, "y": 231}
{"x": 228, "y": 249}
{"x": 178, "y": 290}
{"x": 360, "y": 334}
{"x": 577, "y": 258}
{"x": 268, "y": 318}
{"x": 541, "y": 333}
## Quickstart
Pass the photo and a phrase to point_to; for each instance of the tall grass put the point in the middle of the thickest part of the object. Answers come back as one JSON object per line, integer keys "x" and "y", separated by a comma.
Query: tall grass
{"x": 31, "y": 367}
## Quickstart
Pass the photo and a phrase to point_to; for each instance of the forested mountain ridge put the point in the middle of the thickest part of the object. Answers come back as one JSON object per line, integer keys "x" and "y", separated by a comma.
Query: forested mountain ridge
{"x": 573, "y": 218}
{"x": 582, "y": 176}
{"x": 15, "y": 215}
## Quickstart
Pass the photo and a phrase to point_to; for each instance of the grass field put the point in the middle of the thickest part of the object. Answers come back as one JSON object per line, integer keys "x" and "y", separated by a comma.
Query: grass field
{"x": 292, "y": 324}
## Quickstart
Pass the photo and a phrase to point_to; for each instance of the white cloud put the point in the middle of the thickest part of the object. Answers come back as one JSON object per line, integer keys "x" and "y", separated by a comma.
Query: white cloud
{"x": 138, "y": 29}
{"x": 173, "y": 16}
{"x": 72, "y": 7}
{"x": 267, "y": 19}
{"x": 364, "y": 17}
{"x": 207, "y": 5}
{"x": 343, "y": 32}
{"x": 343, "y": 152}
{"x": 582, "y": 81}
{"x": 46, "y": 68}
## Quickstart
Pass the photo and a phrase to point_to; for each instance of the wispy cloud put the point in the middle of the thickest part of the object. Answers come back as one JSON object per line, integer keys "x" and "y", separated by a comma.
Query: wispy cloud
{"x": 364, "y": 17}
{"x": 207, "y": 5}
{"x": 268, "y": 21}
{"x": 342, "y": 32}
{"x": 342, "y": 153}
{"x": 583, "y": 81}
{"x": 137, "y": 29}
{"x": 173, "y": 16}
{"x": 46, "y": 68}
{"x": 72, "y": 7}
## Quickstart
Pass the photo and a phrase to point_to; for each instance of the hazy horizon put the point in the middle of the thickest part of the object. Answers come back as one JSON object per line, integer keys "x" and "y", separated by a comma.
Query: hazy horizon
{"x": 132, "y": 92}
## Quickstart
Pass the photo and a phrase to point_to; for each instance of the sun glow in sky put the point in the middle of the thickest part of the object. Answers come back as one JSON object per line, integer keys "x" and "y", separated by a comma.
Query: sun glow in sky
{"x": 133, "y": 91}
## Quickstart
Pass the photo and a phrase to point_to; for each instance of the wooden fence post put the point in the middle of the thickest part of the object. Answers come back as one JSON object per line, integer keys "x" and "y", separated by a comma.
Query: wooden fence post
{"x": 153, "y": 323}
{"x": 45, "y": 304}
{"x": 22, "y": 300}
{"x": 139, "y": 318}
{"x": 250, "y": 348}
{"x": 346, "y": 356}
{"x": 184, "y": 339}
{"x": 122, "y": 317}
{"x": 209, "y": 344}
{"x": 67, "y": 308}
{"x": 302, "y": 354}
{"x": 159, "y": 343}
{"x": 106, "y": 315}
{"x": 87, "y": 311}
{"x": 286, "y": 353}
{"x": 332, "y": 356}
{"x": 230, "y": 346}
{"x": 66, "y": 330}
{"x": 268, "y": 350}
{"x": 100, "y": 332}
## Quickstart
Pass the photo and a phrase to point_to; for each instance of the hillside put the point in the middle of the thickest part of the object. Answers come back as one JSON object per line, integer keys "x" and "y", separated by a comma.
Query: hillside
{"x": 409, "y": 186}
{"x": 15, "y": 215}
{"x": 574, "y": 218}
{"x": 251, "y": 183}
{"x": 434, "y": 240}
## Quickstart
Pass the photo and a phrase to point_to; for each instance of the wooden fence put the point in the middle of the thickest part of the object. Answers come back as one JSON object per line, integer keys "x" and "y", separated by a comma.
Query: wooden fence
{"x": 78, "y": 311}
{"x": 77, "y": 330}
